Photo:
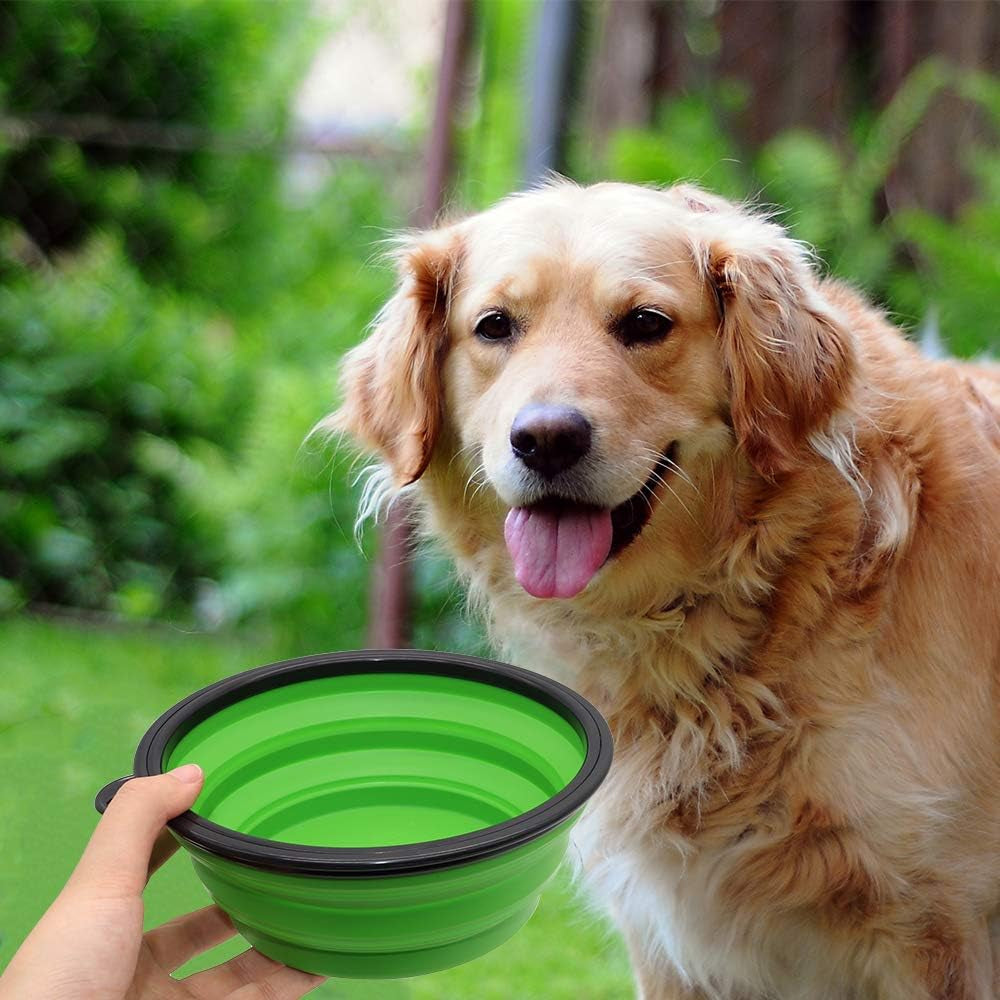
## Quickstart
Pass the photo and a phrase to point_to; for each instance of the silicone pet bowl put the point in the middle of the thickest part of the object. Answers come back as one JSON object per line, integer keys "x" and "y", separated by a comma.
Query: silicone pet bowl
{"x": 379, "y": 814}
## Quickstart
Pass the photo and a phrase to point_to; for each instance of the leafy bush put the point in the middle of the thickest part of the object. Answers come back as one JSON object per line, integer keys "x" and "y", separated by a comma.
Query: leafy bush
{"x": 157, "y": 388}
{"x": 688, "y": 142}
{"x": 959, "y": 275}
{"x": 179, "y": 75}
{"x": 959, "y": 262}
{"x": 173, "y": 445}
{"x": 96, "y": 371}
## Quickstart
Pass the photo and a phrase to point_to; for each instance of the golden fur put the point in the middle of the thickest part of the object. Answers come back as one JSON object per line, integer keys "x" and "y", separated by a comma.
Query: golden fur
{"x": 799, "y": 656}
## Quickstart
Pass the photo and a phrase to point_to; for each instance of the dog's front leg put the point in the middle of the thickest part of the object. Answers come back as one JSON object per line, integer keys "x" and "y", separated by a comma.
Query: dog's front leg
{"x": 660, "y": 984}
{"x": 950, "y": 966}
{"x": 656, "y": 978}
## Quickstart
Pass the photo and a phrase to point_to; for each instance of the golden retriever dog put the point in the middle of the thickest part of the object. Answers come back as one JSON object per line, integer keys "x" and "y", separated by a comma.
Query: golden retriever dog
{"x": 728, "y": 502}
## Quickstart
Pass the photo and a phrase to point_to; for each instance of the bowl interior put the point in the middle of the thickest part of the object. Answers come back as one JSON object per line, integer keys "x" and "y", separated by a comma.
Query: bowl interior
{"x": 378, "y": 759}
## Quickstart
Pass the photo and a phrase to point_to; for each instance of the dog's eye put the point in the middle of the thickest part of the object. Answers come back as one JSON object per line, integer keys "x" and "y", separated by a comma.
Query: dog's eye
{"x": 495, "y": 325}
{"x": 643, "y": 326}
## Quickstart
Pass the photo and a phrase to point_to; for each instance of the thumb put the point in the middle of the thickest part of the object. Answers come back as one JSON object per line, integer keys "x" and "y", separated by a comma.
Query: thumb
{"x": 117, "y": 857}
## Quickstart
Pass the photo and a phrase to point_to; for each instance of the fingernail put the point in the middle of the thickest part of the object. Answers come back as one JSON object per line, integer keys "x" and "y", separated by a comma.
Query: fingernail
{"x": 189, "y": 773}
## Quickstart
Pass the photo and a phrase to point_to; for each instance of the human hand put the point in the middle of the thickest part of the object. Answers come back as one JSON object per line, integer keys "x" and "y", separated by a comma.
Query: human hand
{"x": 90, "y": 944}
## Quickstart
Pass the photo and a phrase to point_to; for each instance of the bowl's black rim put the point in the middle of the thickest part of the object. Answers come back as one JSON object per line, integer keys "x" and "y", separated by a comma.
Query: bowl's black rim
{"x": 404, "y": 859}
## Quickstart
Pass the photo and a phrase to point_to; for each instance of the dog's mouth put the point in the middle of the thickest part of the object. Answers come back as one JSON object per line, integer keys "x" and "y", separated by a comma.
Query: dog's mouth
{"x": 558, "y": 545}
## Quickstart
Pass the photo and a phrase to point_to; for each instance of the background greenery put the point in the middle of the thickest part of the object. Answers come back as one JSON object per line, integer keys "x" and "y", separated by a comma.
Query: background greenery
{"x": 171, "y": 313}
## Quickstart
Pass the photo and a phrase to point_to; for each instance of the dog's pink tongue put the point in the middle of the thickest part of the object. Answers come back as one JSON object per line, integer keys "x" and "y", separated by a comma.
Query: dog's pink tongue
{"x": 555, "y": 554}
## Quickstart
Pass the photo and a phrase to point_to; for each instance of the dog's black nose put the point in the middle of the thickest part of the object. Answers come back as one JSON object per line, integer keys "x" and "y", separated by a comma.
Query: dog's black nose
{"x": 549, "y": 438}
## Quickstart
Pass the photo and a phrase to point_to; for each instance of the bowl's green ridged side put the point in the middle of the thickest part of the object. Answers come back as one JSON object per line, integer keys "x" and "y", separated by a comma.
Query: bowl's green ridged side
{"x": 378, "y": 760}
{"x": 390, "y": 927}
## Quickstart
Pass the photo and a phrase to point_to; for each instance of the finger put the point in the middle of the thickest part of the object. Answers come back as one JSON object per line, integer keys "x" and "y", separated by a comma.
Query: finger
{"x": 285, "y": 984}
{"x": 173, "y": 943}
{"x": 247, "y": 967}
{"x": 118, "y": 854}
{"x": 164, "y": 848}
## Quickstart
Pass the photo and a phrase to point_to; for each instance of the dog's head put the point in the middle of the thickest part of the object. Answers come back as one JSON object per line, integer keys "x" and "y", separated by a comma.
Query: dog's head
{"x": 574, "y": 349}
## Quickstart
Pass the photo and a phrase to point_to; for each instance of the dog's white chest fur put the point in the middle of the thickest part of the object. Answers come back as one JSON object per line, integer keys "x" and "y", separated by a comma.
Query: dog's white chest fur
{"x": 668, "y": 901}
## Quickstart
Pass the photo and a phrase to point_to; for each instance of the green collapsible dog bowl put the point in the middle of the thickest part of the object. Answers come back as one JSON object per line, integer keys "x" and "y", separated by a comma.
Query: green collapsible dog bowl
{"x": 379, "y": 814}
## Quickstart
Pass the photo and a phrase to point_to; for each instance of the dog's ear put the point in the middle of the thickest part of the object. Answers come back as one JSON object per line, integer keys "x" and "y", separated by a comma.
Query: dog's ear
{"x": 790, "y": 360}
{"x": 391, "y": 383}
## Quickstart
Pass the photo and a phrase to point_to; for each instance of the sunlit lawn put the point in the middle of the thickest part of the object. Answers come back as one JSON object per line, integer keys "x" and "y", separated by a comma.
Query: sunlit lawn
{"x": 73, "y": 704}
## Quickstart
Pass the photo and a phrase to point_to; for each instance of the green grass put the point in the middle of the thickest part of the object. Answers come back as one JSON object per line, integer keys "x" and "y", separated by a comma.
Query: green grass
{"x": 74, "y": 703}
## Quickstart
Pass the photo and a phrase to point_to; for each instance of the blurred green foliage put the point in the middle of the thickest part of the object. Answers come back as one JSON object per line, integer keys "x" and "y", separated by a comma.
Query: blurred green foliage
{"x": 170, "y": 321}
{"x": 185, "y": 75}
{"x": 96, "y": 371}
{"x": 688, "y": 142}
{"x": 957, "y": 263}
{"x": 159, "y": 379}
